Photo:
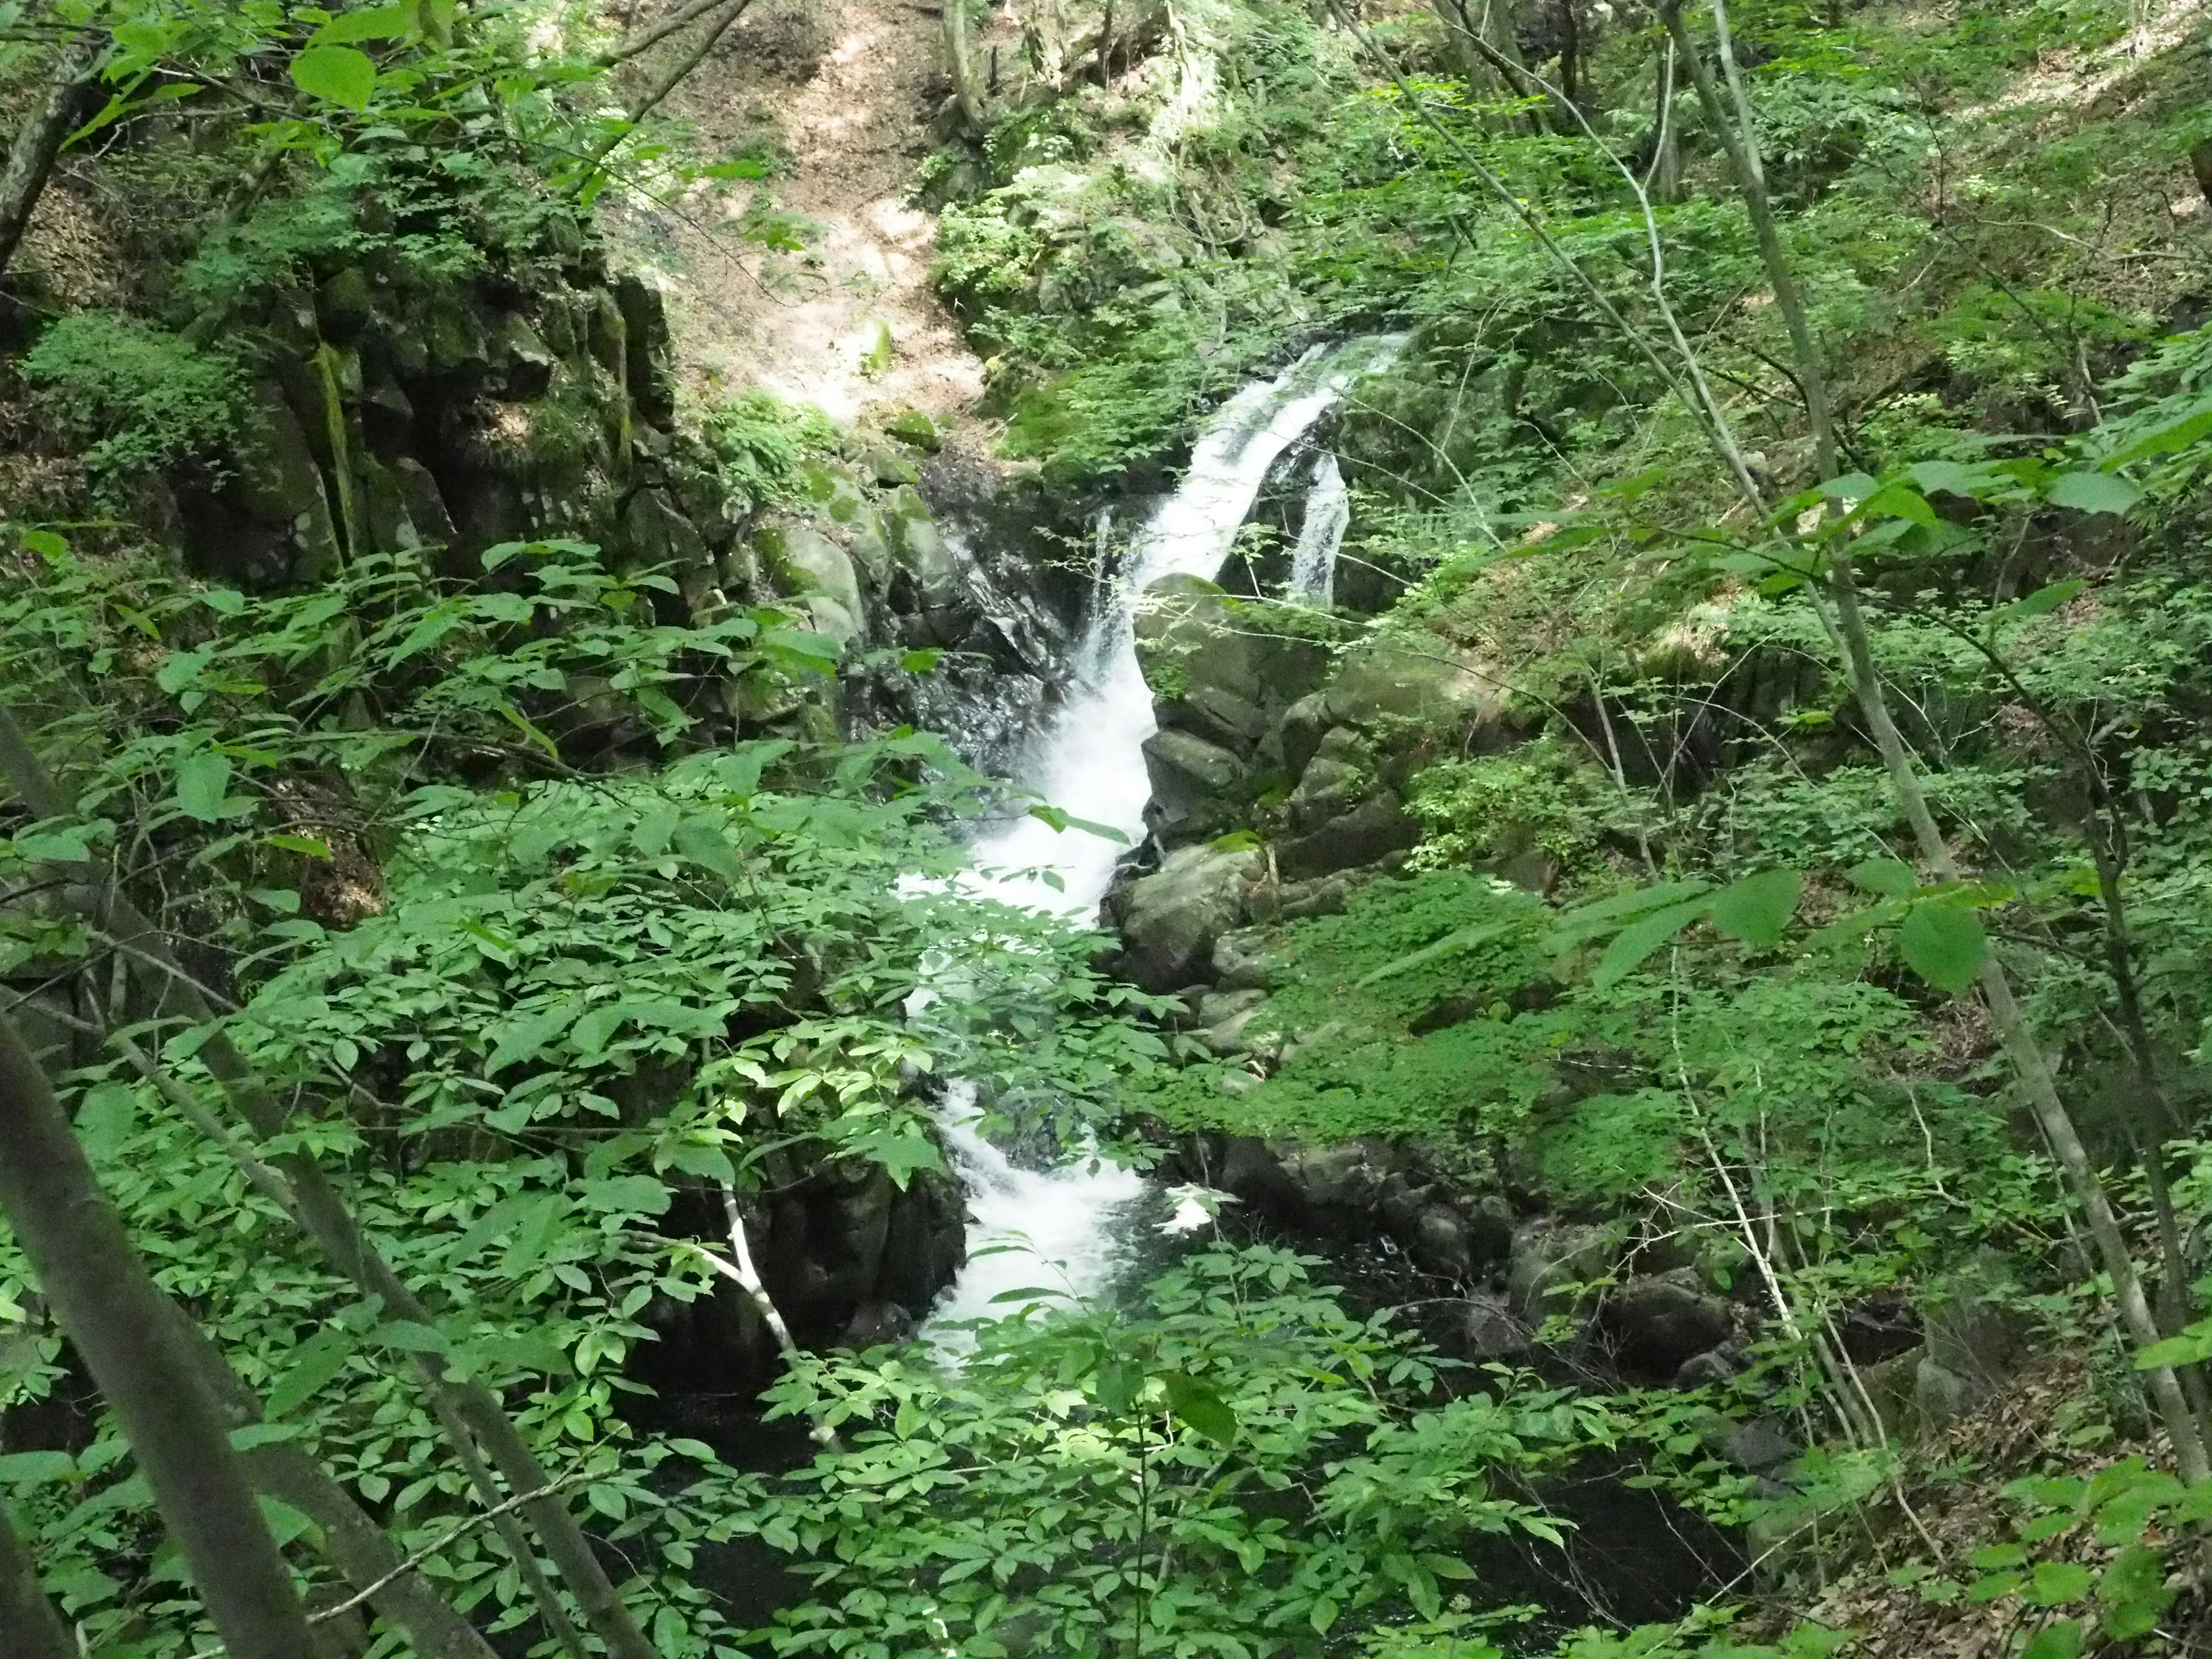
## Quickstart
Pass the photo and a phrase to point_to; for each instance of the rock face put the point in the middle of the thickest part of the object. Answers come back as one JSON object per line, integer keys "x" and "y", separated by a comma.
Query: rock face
{"x": 1172, "y": 919}
{"x": 849, "y": 1257}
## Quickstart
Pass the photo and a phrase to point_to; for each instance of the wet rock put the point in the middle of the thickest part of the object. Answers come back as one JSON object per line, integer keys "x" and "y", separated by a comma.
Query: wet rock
{"x": 1195, "y": 783}
{"x": 877, "y": 1323}
{"x": 1170, "y": 920}
{"x": 1489, "y": 1329}
{"x": 1218, "y": 716}
{"x": 1241, "y": 962}
{"x": 1658, "y": 1323}
{"x": 1370, "y": 833}
{"x": 1548, "y": 1256}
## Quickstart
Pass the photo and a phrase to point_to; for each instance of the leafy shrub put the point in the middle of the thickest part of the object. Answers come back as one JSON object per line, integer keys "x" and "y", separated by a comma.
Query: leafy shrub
{"x": 763, "y": 441}
{"x": 142, "y": 397}
{"x": 1235, "y": 1466}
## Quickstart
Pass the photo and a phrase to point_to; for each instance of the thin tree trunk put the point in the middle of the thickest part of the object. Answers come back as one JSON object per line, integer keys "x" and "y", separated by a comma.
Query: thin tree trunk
{"x": 1738, "y": 138}
{"x": 32, "y": 1628}
{"x": 1848, "y": 626}
{"x": 352, "y": 1541}
{"x": 107, "y": 1302}
{"x": 38, "y": 140}
{"x": 963, "y": 67}
{"x": 323, "y": 1216}
{"x": 2019, "y": 1043}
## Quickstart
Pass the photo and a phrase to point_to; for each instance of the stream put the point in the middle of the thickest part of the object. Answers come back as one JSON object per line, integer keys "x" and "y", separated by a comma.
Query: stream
{"x": 1063, "y": 1226}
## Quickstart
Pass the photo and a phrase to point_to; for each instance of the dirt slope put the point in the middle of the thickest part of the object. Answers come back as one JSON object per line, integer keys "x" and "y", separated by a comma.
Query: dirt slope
{"x": 843, "y": 92}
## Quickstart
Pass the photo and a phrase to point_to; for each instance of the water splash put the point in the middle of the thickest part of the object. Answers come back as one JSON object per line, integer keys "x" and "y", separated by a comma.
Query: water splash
{"x": 1089, "y": 763}
{"x": 1328, "y": 515}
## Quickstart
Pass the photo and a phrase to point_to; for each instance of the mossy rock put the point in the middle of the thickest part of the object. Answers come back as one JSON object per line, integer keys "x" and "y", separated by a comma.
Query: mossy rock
{"x": 916, "y": 430}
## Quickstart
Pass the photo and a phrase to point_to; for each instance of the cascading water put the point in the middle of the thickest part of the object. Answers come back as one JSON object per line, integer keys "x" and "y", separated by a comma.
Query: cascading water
{"x": 1328, "y": 515}
{"x": 1089, "y": 763}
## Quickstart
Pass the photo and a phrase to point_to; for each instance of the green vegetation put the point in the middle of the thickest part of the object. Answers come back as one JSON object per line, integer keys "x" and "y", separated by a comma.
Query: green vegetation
{"x": 501, "y": 961}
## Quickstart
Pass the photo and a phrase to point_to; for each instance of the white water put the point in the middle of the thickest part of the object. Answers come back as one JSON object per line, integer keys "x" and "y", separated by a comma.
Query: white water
{"x": 1328, "y": 515}
{"x": 1053, "y": 1229}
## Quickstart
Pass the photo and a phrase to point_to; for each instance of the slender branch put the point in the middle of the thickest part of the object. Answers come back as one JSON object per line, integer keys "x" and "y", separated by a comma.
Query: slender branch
{"x": 107, "y": 1302}
{"x": 644, "y": 40}
{"x": 400, "y": 1569}
{"x": 38, "y": 140}
{"x": 35, "y": 1631}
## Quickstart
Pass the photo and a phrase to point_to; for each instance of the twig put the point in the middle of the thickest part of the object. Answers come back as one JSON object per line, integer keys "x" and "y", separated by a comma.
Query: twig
{"x": 505, "y": 1507}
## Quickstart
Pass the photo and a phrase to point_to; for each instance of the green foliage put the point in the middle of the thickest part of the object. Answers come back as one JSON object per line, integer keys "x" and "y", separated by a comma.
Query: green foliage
{"x": 763, "y": 441}
{"x": 138, "y": 397}
{"x": 1233, "y": 1463}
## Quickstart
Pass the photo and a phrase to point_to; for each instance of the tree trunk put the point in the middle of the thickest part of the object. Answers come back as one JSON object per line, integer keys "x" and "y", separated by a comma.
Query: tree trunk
{"x": 321, "y": 1213}
{"x": 352, "y": 1541}
{"x": 1848, "y": 626}
{"x": 27, "y": 1619}
{"x": 107, "y": 1302}
{"x": 965, "y": 92}
{"x": 40, "y": 139}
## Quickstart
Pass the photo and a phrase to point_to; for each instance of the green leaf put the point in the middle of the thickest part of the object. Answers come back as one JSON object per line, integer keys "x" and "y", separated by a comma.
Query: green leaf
{"x": 311, "y": 846}
{"x": 1116, "y": 1385}
{"x": 2054, "y": 1583}
{"x": 1943, "y": 943}
{"x": 1199, "y": 1405}
{"x": 2194, "y": 1343}
{"x": 32, "y": 1468}
{"x": 410, "y": 1336}
{"x": 2175, "y": 436}
{"x": 53, "y": 846}
{"x": 2062, "y": 1640}
{"x": 339, "y": 74}
{"x": 379, "y": 23}
{"x": 1324, "y": 1615}
{"x": 202, "y": 783}
{"x": 2093, "y": 492}
{"x": 2135, "y": 1593}
{"x": 701, "y": 840}
{"x": 1758, "y": 907}
{"x": 2035, "y": 604}
{"x": 1641, "y": 937}
{"x": 314, "y": 1363}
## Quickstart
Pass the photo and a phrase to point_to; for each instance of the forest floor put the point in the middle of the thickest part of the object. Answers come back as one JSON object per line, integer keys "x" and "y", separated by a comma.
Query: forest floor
{"x": 840, "y": 97}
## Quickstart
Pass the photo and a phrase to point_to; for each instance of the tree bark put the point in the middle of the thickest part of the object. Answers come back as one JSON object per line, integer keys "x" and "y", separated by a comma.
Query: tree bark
{"x": 321, "y": 1213}
{"x": 32, "y": 1628}
{"x": 107, "y": 1302}
{"x": 1848, "y": 626}
{"x": 352, "y": 1541}
{"x": 963, "y": 67}
{"x": 39, "y": 142}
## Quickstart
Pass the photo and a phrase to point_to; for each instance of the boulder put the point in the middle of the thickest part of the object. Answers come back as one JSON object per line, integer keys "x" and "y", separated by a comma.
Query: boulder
{"x": 1548, "y": 1254}
{"x": 1303, "y": 725}
{"x": 1218, "y": 715}
{"x": 1171, "y": 919}
{"x": 1489, "y": 1329}
{"x": 1194, "y": 783}
{"x": 1415, "y": 682}
{"x": 915, "y": 430}
{"x": 1657, "y": 1324}
{"x": 522, "y": 366}
{"x": 1367, "y": 834}
{"x": 1241, "y": 962}
{"x": 806, "y": 562}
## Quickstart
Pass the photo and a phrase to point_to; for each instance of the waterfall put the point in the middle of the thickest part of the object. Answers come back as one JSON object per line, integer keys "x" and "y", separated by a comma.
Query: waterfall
{"x": 1328, "y": 515}
{"x": 1089, "y": 763}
